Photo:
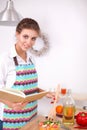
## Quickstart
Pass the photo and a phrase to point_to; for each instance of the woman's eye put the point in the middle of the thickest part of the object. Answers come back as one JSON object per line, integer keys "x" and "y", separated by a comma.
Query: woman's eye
{"x": 34, "y": 38}
{"x": 25, "y": 36}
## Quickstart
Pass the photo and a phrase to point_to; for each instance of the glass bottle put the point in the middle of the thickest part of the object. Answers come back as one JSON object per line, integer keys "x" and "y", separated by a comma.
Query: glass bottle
{"x": 68, "y": 109}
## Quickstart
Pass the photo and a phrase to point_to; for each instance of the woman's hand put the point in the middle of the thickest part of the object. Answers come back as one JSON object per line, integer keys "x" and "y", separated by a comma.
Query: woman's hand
{"x": 14, "y": 106}
{"x": 18, "y": 106}
{"x": 50, "y": 95}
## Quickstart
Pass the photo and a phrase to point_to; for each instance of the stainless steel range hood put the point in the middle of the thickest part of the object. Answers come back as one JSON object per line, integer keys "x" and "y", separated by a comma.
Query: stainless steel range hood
{"x": 9, "y": 16}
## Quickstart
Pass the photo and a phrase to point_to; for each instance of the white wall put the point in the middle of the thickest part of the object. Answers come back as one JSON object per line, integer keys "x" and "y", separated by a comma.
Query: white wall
{"x": 65, "y": 22}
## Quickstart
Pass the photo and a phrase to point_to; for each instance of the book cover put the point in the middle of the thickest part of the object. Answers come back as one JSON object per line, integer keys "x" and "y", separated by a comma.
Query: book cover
{"x": 18, "y": 96}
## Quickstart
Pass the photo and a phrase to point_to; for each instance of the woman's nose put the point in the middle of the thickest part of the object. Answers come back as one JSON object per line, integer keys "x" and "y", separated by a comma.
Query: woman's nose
{"x": 30, "y": 42}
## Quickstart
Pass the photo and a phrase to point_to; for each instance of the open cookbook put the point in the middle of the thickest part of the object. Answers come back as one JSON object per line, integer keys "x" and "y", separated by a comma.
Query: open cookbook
{"x": 18, "y": 96}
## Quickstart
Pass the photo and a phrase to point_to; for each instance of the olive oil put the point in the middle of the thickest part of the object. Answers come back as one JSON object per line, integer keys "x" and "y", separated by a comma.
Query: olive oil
{"x": 68, "y": 109}
{"x": 68, "y": 115}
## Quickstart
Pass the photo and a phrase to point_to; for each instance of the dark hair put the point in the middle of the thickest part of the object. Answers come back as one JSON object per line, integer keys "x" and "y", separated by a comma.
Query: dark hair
{"x": 27, "y": 23}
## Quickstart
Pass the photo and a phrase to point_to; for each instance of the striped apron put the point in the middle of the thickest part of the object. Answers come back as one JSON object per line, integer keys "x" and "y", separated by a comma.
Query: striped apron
{"x": 26, "y": 81}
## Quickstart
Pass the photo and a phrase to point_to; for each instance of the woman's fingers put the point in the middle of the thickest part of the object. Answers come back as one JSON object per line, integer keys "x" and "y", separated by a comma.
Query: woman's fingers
{"x": 18, "y": 106}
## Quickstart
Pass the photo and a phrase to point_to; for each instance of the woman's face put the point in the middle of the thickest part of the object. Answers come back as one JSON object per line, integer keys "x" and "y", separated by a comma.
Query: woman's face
{"x": 26, "y": 39}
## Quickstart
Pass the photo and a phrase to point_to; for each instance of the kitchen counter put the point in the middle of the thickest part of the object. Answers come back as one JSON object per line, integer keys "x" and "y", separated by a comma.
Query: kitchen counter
{"x": 33, "y": 125}
{"x": 44, "y": 106}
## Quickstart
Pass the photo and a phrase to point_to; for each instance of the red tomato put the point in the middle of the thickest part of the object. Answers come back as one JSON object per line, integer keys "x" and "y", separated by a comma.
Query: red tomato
{"x": 54, "y": 126}
{"x": 40, "y": 123}
{"x": 81, "y": 118}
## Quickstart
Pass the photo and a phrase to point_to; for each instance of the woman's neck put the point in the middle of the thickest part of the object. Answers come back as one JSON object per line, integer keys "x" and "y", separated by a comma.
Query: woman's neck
{"x": 21, "y": 53}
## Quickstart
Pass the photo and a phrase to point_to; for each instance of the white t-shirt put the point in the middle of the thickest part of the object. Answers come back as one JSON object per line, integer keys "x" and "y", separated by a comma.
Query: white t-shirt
{"x": 8, "y": 72}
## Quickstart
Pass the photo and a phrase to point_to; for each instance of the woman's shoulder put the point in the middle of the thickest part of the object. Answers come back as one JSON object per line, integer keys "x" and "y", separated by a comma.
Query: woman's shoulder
{"x": 3, "y": 59}
{"x": 5, "y": 56}
{"x": 9, "y": 53}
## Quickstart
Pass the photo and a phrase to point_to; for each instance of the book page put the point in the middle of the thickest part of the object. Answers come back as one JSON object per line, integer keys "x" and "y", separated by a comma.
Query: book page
{"x": 13, "y": 91}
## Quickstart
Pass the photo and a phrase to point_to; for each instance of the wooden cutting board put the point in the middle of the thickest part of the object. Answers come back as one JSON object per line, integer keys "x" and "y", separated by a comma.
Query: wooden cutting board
{"x": 33, "y": 125}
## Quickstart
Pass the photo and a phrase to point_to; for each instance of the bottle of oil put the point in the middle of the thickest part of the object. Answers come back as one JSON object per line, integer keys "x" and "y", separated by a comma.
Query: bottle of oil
{"x": 68, "y": 109}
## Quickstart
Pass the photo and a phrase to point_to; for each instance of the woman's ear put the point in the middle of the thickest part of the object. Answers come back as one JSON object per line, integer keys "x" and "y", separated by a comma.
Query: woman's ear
{"x": 17, "y": 35}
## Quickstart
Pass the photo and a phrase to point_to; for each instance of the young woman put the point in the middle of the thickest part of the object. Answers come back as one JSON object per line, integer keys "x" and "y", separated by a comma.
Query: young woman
{"x": 17, "y": 71}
